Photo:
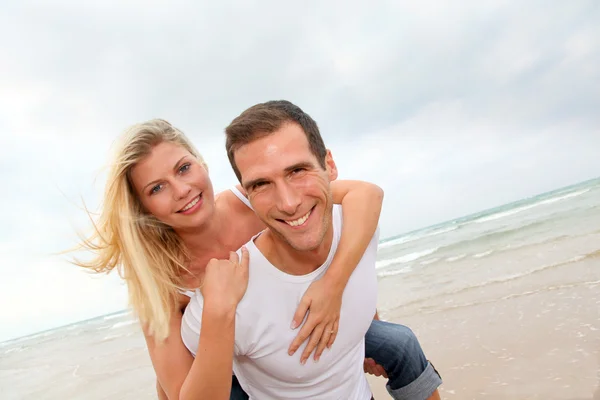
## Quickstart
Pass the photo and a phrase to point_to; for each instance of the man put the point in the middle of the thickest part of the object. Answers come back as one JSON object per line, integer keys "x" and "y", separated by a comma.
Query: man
{"x": 279, "y": 157}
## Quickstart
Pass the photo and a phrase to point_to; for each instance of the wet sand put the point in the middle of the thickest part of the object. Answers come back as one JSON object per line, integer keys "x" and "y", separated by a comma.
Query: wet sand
{"x": 534, "y": 338}
{"x": 524, "y": 325}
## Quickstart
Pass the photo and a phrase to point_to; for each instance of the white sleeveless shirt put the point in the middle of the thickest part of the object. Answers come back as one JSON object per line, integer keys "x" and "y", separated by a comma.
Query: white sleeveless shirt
{"x": 263, "y": 333}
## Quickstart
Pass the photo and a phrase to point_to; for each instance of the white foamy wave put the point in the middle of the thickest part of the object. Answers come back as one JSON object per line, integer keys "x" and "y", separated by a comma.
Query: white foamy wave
{"x": 507, "y": 213}
{"x": 456, "y": 258}
{"x": 508, "y": 278}
{"x": 430, "y": 261}
{"x": 503, "y": 214}
{"x": 394, "y": 272}
{"x": 577, "y": 258}
{"x": 485, "y": 253}
{"x": 405, "y": 258}
{"x": 416, "y": 236}
{"x": 116, "y": 315}
{"x": 519, "y": 275}
{"x": 124, "y": 323}
{"x": 566, "y": 196}
{"x": 16, "y": 349}
{"x": 111, "y": 337}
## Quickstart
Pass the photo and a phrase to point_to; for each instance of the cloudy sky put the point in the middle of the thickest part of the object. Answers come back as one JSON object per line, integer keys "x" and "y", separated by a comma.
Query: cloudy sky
{"x": 451, "y": 107}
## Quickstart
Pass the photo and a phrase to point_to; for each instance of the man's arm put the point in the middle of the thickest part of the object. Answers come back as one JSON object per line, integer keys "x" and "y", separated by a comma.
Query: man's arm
{"x": 361, "y": 203}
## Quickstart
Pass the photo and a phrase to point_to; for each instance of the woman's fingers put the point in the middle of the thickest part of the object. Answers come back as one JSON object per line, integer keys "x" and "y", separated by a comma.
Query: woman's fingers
{"x": 327, "y": 333}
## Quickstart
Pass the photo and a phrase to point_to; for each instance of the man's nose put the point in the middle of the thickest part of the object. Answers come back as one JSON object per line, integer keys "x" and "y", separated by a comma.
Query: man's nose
{"x": 288, "y": 199}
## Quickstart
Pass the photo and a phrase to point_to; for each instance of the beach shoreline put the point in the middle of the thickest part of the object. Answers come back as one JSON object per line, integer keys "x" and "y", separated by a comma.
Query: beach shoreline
{"x": 505, "y": 304}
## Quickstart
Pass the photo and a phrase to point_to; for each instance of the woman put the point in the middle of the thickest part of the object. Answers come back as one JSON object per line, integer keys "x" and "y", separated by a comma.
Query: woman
{"x": 160, "y": 225}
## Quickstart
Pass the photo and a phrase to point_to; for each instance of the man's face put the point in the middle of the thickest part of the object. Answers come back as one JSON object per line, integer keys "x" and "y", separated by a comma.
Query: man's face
{"x": 287, "y": 187}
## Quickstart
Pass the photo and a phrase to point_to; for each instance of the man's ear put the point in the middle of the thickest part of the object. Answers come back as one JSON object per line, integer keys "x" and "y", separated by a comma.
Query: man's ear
{"x": 331, "y": 167}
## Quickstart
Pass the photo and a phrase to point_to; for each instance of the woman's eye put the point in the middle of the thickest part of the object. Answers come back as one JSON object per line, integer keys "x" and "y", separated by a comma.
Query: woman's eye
{"x": 184, "y": 168}
{"x": 156, "y": 189}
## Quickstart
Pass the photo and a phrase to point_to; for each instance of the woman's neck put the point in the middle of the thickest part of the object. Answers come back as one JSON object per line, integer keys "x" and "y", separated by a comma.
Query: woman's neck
{"x": 210, "y": 240}
{"x": 202, "y": 239}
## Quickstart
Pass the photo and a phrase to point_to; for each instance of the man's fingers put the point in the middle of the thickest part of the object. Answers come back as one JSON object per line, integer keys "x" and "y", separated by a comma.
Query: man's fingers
{"x": 304, "y": 333}
{"x": 327, "y": 332}
{"x": 333, "y": 334}
{"x": 301, "y": 313}
{"x": 315, "y": 337}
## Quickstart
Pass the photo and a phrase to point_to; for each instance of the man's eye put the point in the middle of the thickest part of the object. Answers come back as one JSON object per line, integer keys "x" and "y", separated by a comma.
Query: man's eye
{"x": 298, "y": 170}
{"x": 259, "y": 184}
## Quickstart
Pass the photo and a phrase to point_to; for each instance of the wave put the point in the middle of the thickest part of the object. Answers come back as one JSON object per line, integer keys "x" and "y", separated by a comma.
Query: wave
{"x": 430, "y": 261}
{"x": 116, "y": 315}
{"x": 591, "y": 284}
{"x": 456, "y": 258}
{"x": 503, "y": 214}
{"x": 405, "y": 258}
{"x": 124, "y": 323}
{"x": 491, "y": 236}
{"x": 394, "y": 272}
{"x": 483, "y": 254}
{"x": 410, "y": 237}
{"x": 511, "y": 277}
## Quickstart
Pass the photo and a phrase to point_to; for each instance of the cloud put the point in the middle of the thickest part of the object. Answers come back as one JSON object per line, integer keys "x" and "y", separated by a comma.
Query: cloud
{"x": 450, "y": 107}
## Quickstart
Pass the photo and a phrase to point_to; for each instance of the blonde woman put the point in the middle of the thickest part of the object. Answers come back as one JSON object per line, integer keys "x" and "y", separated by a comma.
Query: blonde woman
{"x": 161, "y": 223}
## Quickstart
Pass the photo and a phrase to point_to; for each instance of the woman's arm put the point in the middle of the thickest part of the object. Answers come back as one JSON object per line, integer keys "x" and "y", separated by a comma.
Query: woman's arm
{"x": 179, "y": 375}
{"x": 170, "y": 358}
{"x": 208, "y": 376}
{"x": 361, "y": 203}
{"x": 223, "y": 286}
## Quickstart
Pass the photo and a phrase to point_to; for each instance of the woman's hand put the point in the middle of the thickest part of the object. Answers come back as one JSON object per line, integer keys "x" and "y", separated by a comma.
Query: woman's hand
{"x": 371, "y": 367}
{"x": 323, "y": 302}
{"x": 225, "y": 281}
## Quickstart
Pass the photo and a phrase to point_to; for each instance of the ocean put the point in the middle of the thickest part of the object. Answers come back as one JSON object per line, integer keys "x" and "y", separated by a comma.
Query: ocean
{"x": 505, "y": 303}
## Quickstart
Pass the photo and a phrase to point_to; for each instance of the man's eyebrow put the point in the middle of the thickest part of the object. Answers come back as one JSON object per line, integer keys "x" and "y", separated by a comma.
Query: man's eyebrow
{"x": 304, "y": 164}
{"x": 300, "y": 165}
{"x": 248, "y": 185}
{"x": 174, "y": 168}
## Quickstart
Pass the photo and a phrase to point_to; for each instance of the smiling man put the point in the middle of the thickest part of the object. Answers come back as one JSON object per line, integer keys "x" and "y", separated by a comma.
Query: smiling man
{"x": 279, "y": 157}
{"x": 289, "y": 189}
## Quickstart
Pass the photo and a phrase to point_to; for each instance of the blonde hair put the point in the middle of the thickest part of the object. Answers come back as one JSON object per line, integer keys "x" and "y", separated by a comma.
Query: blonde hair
{"x": 148, "y": 254}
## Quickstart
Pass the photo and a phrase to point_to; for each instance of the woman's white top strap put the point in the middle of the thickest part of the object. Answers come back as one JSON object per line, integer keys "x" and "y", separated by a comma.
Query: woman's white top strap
{"x": 241, "y": 196}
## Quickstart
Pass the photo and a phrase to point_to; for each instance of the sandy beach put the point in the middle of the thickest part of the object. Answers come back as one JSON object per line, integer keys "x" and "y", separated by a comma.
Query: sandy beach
{"x": 523, "y": 340}
{"x": 505, "y": 303}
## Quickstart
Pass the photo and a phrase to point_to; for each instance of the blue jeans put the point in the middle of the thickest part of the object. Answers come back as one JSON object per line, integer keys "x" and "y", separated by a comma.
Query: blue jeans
{"x": 396, "y": 348}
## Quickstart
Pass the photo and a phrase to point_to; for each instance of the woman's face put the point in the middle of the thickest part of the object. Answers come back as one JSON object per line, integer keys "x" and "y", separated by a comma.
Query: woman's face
{"x": 174, "y": 187}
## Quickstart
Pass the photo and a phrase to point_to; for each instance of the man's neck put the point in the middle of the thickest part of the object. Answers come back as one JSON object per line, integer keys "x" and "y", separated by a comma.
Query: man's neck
{"x": 289, "y": 260}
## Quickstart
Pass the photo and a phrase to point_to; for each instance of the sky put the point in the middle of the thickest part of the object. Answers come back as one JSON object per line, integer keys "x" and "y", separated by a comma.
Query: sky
{"x": 451, "y": 107}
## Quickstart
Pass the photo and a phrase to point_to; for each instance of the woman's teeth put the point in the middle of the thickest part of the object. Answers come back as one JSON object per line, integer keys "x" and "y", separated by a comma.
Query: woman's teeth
{"x": 299, "y": 221}
{"x": 191, "y": 204}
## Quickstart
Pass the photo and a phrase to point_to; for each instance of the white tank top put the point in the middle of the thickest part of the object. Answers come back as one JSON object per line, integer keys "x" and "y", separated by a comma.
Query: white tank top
{"x": 263, "y": 333}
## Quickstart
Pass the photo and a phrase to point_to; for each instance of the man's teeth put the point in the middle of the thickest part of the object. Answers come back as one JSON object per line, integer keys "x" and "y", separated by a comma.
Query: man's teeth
{"x": 191, "y": 204}
{"x": 299, "y": 221}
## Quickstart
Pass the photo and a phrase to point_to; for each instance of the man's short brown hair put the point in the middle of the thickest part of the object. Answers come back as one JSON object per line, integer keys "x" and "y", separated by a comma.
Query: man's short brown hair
{"x": 263, "y": 119}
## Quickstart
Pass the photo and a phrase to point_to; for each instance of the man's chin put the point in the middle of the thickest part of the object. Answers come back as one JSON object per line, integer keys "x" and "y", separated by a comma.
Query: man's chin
{"x": 303, "y": 244}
